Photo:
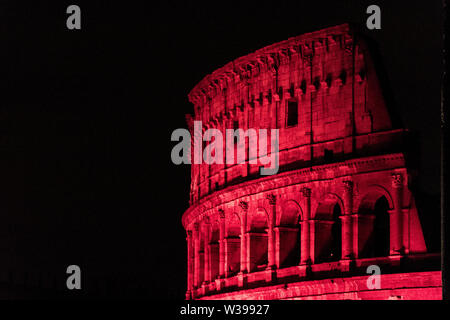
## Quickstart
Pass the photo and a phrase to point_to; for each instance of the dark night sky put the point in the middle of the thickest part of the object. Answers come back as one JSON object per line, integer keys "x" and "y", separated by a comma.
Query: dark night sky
{"x": 86, "y": 118}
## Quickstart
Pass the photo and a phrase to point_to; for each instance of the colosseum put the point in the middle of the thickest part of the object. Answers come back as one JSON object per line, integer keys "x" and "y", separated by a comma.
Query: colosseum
{"x": 341, "y": 200}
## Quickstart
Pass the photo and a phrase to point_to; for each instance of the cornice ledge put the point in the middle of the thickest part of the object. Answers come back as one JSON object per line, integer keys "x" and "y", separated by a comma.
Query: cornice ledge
{"x": 284, "y": 179}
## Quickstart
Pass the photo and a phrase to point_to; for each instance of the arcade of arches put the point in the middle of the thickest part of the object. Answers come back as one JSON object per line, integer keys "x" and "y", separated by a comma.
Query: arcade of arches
{"x": 292, "y": 232}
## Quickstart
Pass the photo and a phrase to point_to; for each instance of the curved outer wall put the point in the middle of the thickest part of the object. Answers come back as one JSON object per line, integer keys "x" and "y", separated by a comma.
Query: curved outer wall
{"x": 310, "y": 231}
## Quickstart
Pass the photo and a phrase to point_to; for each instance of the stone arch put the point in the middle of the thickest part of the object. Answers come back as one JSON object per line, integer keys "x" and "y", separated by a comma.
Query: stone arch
{"x": 287, "y": 234}
{"x": 373, "y": 225}
{"x": 257, "y": 237}
{"x": 203, "y": 227}
{"x": 290, "y": 214}
{"x": 232, "y": 244}
{"x": 258, "y": 220}
{"x": 371, "y": 195}
{"x": 326, "y": 206}
{"x": 233, "y": 225}
{"x": 215, "y": 231}
{"x": 327, "y": 230}
{"x": 214, "y": 255}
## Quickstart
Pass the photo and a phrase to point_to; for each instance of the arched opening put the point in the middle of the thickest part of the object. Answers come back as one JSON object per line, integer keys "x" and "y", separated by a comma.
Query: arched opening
{"x": 328, "y": 230}
{"x": 287, "y": 235}
{"x": 232, "y": 246}
{"x": 373, "y": 227}
{"x": 336, "y": 235}
{"x": 201, "y": 259}
{"x": 214, "y": 256}
{"x": 381, "y": 228}
{"x": 257, "y": 241}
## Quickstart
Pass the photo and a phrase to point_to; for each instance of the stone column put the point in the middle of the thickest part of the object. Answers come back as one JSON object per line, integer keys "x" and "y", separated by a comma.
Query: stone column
{"x": 270, "y": 234}
{"x": 312, "y": 240}
{"x": 207, "y": 276}
{"x": 395, "y": 216}
{"x": 346, "y": 218}
{"x": 189, "y": 264}
{"x": 222, "y": 244}
{"x": 305, "y": 256}
{"x": 244, "y": 210}
{"x": 277, "y": 234}
{"x": 196, "y": 255}
{"x": 356, "y": 221}
{"x": 247, "y": 257}
{"x": 405, "y": 231}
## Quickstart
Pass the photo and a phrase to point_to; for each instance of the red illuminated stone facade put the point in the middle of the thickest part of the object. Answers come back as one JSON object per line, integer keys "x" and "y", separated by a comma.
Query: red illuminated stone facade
{"x": 341, "y": 200}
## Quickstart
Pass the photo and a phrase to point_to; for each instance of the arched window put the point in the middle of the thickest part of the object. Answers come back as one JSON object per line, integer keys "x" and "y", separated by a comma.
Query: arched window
{"x": 328, "y": 230}
{"x": 201, "y": 259}
{"x": 258, "y": 241}
{"x": 233, "y": 246}
{"x": 381, "y": 228}
{"x": 336, "y": 235}
{"x": 373, "y": 229}
{"x": 214, "y": 251}
{"x": 288, "y": 235}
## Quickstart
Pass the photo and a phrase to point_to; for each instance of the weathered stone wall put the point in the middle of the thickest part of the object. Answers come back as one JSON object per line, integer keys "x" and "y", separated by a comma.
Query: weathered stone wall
{"x": 341, "y": 200}
{"x": 329, "y": 75}
{"x": 406, "y": 286}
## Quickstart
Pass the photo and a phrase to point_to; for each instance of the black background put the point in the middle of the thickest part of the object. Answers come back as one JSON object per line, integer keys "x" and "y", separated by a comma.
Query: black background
{"x": 86, "y": 117}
